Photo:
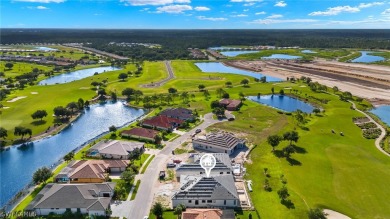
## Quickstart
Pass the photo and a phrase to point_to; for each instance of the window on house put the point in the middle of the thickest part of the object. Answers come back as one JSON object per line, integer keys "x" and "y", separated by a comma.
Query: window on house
{"x": 228, "y": 172}
{"x": 203, "y": 201}
{"x": 209, "y": 201}
{"x": 189, "y": 201}
{"x": 224, "y": 202}
{"x": 220, "y": 172}
{"x": 234, "y": 202}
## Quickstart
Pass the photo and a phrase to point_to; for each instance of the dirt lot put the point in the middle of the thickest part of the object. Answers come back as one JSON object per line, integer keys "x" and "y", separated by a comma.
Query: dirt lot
{"x": 346, "y": 76}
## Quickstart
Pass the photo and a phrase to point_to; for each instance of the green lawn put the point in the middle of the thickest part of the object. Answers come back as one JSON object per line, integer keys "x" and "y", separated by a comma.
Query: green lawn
{"x": 20, "y": 68}
{"x": 346, "y": 174}
{"x": 135, "y": 190}
{"x": 145, "y": 166}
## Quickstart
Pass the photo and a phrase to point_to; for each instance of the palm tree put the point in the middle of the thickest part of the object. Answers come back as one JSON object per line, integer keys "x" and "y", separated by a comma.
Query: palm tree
{"x": 184, "y": 96}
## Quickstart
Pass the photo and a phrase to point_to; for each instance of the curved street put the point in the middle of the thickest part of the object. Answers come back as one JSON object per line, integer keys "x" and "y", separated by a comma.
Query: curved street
{"x": 171, "y": 75}
{"x": 140, "y": 206}
{"x": 383, "y": 131}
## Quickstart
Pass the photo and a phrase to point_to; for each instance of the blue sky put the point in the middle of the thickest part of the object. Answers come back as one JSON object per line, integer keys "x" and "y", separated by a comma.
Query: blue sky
{"x": 195, "y": 14}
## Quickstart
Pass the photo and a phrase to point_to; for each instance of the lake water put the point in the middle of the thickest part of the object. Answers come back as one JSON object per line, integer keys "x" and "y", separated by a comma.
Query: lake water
{"x": 18, "y": 163}
{"x": 366, "y": 58}
{"x": 236, "y": 53}
{"x": 285, "y": 103}
{"x": 281, "y": 56}
{"x": 217, "y": 67}
{"x": 308, "y": 51}
{"x": 76, "y": 75}
{"x": 46, "y": 49}
{"x": 383, "y": 112}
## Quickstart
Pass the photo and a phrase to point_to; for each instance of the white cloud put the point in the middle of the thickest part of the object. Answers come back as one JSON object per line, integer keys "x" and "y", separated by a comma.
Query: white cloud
{"x": 281, "y": 4}
{"x": 348, "y": 9}
{"x": 260, "y": 13}
{"x": 202, "y": 8}
{"x": 249, "y": 4}
{"x": 279, "y": 21}
{"x": 386, "y": 12}
{"x": 212, "y": 18}
{"x": 246, "y": 0}
{"x": 368, "y": 5}
{"x": 274, "y": 16}
{"x": 335, "y": 11}
{"x": 153, "y": 2}
{"x": 145, "y": 9}
{"x": 240, "y": 15}
{"x": 38, "y": 7}
{"x": 245, "y": 10}
{"x": 41, "y": 1}
{"x": 174, "y": 9}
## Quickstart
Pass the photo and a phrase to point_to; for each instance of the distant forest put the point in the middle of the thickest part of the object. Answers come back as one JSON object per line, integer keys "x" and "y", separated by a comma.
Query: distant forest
{"x": 175, "y": 42}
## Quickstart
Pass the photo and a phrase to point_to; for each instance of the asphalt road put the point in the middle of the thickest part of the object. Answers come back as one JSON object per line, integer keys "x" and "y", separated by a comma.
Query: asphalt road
{"x": 171, "y": 75}
{"x": 143, "y": 201}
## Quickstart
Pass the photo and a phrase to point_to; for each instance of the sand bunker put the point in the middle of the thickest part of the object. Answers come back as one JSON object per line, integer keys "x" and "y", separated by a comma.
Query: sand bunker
{"x": 334, "y": 215}
{"x": 6, "y": 107}
{"x": 84, "y": 88}
{"x": 16, "y": 99}
{"x": 287, "y": 88}
{"x": 302, "y": 86}
{"x": 34, "y": 92}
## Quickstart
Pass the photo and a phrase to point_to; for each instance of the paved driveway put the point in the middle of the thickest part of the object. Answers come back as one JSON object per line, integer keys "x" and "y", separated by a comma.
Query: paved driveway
{"x": 140, "y": 207}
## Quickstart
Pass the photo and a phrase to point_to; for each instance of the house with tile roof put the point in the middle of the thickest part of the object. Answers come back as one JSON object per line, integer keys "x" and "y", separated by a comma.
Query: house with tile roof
{"x": 139, "y": 133}
{"x": 201, "y": 213}
{"x": 219, "y": 142}
{"x": 90, "y": 199}
{"x": 162, "y": 122}
{"x": 206, "y": 192}
{"x": 91, "y": 171}
{"x": 114, "y": 149}
{"x": 230, "y": 104}
{"x": 222, "y": 167}
{"x": 179, "y": 113}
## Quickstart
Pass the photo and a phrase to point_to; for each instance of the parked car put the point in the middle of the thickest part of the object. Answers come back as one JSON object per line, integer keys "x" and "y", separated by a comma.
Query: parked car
{"x": 176, "y": 161}
{"x": 171, "y": 165}
{"x": 198, "y": 131}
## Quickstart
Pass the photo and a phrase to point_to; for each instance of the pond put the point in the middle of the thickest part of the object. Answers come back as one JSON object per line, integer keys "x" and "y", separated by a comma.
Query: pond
{"x": 383, "y": 112}
{"x": 217, "y": 67}
{"x": 18, "y": 163}
{"x": 281, "y": 56}
{"x": 308, "y": 51}
{"x": 366, "y": 58}
{"x": 285, "y": 103}
{"x": 76, "y": 75}
{"x": 236, "y": 53}
{"x": 46, "y": 49}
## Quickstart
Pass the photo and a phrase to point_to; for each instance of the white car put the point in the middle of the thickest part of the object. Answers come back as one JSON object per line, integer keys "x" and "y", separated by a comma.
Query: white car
{"x": 146, "y": 217}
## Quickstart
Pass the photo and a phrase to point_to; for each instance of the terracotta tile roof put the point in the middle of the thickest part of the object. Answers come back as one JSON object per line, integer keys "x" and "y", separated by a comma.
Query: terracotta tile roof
{"x": 142, "y": 132}
{"x": 202, "y": 214}
{"x": 92, "y": 169}
{"x": 230, "y": 103}
{"x": 162, "y": 121}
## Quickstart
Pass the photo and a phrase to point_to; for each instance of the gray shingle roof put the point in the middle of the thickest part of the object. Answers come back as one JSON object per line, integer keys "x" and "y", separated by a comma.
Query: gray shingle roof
{"x": 199, "y": 187}
{"x": 73, "y": 196}
{"x": 122, "y": 148}
{"x": 220, "y": 139}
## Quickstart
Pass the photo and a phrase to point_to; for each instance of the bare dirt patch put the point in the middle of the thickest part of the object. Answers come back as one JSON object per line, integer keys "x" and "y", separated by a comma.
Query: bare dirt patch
{"x": 34, "y": 92}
